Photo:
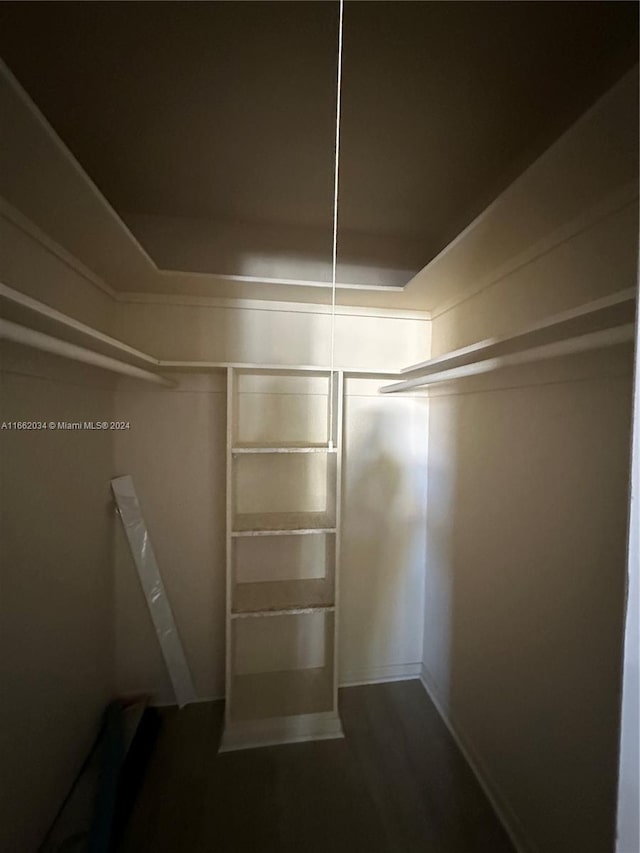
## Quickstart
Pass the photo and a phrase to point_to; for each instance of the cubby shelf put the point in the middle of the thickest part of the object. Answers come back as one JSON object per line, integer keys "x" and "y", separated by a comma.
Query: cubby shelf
{"x": 273, "y": 523}
{"x": 284, "y": 448}
{"x": 287, "y": 611}
{"x": 286, "y": 693}
{"x": 302, "y": 531}
{"x": 282, "y": 596}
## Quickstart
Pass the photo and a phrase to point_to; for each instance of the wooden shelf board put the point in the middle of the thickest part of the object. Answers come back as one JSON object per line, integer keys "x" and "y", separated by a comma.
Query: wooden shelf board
{"x": 265, "y": 597}
{"x": 19, "y": 308}
{"x": 281, "y": 694}
{"x": 301, "y": 531}
{"x": 294, "y": 447}
{"x": 248, "y": 524}
{"x": 604, "y": 322}
{"x": 287, "y": 611}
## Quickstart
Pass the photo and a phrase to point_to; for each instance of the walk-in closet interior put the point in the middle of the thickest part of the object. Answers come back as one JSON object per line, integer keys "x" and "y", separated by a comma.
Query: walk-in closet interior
{"x": 317, "y": 523}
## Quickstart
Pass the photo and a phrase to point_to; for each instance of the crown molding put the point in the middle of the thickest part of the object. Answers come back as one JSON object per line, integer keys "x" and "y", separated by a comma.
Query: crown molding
{"x": 270, "y": 305}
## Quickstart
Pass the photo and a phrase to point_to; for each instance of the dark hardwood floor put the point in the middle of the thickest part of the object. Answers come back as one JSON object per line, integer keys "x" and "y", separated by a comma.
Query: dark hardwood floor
{"x": 395, "y": 784}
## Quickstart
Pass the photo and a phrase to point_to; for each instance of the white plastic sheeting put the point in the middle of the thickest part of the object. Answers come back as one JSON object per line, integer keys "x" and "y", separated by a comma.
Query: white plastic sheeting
{"x": 157, "y": 601}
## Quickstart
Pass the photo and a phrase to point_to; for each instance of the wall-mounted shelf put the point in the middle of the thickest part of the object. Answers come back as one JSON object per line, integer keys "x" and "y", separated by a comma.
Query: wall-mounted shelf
{"x": 601, "y": 323}
{"x": 56, "y": 329}
{"x": 19, "y": 308}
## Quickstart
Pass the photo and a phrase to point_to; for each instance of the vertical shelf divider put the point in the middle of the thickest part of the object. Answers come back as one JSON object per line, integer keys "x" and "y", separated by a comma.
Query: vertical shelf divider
{"x": 231, "y": 431}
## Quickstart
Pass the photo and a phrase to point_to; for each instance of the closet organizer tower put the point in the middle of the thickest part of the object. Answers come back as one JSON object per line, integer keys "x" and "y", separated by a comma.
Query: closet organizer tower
{"x": 284, "y": 452}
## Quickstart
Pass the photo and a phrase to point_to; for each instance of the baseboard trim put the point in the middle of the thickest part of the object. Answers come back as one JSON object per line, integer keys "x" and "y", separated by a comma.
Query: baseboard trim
{"x": 507, "y": 818}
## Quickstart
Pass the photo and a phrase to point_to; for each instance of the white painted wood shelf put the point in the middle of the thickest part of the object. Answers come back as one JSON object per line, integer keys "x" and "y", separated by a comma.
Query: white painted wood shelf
{"x": 264, "y": 597}
{"x": 287, "y": 611}
{"x": 35, "y": 324}
{"x": 255, "y": 524}
{"x": 240, "y": 449}
{"x": 604, "y": 322}
{"x": 34, "y": 319}
{"x": 284, "y": 440}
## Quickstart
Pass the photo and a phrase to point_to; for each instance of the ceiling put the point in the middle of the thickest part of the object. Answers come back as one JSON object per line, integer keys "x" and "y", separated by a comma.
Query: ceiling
{"x": 210, "y": 126}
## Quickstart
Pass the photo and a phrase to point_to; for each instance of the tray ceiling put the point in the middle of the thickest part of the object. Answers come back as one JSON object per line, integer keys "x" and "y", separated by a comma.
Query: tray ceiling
{"x": 209, "y": 126}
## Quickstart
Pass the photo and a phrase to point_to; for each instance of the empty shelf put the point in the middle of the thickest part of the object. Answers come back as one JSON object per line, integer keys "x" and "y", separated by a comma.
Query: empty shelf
{"x": 603, "y": 322}
{"x": 283, "y": 596}
{"x": 282, "y": 448}
{"x": 281, "y": 694}
{"x": 269, "y": 523}
{"x": 289, "y": 611}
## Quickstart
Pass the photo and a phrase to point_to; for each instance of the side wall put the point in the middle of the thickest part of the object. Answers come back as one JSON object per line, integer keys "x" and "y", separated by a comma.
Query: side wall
{"x": 526, "y": 549}
{"x": 56, "y": 576}
{"x": 629, "y": 774}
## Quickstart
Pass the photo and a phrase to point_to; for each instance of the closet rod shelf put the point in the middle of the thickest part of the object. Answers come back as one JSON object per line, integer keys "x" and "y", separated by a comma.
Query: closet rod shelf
{"x": 18, "y": 308}
{"x": 47, "y": 343}
{"x": 603, "y": 322}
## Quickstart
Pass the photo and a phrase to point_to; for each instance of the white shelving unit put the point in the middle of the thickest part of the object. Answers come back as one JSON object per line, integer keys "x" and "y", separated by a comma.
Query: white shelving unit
{"x": 284, "y": 455}
{"x": 601, "y": 323}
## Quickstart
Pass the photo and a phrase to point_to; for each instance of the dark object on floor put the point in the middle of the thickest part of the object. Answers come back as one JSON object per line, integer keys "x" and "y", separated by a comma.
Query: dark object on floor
{"x": 134, "y": 770}
{"x": 102, "y": 793}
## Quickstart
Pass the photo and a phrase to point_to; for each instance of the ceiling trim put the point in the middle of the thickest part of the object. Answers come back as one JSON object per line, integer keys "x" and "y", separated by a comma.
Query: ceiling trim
{"x": 69, "y": 156}
{"x": 28, "y": 227}
{"x": 271, "y": 305}
{"x": 612, "y": 205}
{"x": 113, "y": 213}
{"x": 33, "y": 231}
{"x": 405, "y": 294}
{"x": 546, "y": 180}
{"x": 294, "y": 282}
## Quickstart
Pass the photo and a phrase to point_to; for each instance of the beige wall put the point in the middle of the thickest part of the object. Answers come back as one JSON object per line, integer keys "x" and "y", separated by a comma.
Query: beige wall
{"x": 175, "y": 451}
{"x": 32, "y": 264}
{"x": 384, "y": 521}
{"x": 526, "y": 541}
{"x": 524, "y": 593}
{"x": 628, "y": 823}
{"x": 276, "y": 333}
{"x": 597, "y": 261}
{"x": 56, "y": 577}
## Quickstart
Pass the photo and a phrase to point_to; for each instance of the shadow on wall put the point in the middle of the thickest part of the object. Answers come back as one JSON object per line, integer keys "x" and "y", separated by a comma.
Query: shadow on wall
{"x": 383, "y": 543}
{"x": 528, "y": 480}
